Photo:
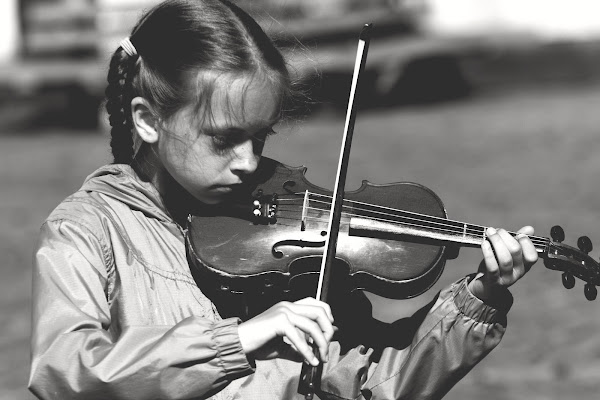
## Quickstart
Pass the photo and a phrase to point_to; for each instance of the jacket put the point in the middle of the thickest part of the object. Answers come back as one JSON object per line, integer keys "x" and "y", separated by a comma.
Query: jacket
{"x": 118, "y": 315}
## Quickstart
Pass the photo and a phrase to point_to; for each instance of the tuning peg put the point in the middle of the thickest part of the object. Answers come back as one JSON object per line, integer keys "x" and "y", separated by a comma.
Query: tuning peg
{"x": 585, "y": 244}
{"x": 557, "y": 233}
{"x": 568, "y": 280}
{"x": 590, "y": 291}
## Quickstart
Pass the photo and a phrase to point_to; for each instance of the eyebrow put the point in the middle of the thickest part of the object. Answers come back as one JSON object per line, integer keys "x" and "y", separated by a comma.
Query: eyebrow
{"x": 237, "y": 129}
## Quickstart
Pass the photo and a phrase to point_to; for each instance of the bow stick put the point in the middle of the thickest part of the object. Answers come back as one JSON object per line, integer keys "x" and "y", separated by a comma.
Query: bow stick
{"x": 310, "y": 376}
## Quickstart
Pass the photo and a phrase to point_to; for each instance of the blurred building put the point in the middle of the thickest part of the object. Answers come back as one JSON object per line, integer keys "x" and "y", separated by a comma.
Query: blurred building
{"x": 80, "y": 28}
{"x": 57, "y": 51}
{"x": 54, "y": 53}
{"x": 87, "y": 28}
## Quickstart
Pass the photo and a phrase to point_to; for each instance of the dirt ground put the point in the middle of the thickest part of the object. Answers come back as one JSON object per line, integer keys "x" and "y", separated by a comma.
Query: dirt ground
{"x": 526, "y": 158}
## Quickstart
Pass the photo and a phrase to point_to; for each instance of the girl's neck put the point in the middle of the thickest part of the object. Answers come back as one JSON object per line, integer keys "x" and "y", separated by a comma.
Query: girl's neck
{"x": 177, "y": 201}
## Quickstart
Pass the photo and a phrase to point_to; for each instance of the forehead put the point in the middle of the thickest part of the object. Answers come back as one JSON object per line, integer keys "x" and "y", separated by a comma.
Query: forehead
{"x": 241, "y": 101}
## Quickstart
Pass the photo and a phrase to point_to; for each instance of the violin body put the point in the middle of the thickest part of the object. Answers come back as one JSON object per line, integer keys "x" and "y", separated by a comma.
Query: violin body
{"x": 271, "y": 254}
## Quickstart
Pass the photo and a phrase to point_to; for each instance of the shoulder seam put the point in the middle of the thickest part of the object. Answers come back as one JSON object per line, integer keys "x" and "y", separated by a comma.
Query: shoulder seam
{"x": 173, "y": 275}
{"x": 61, "y": 215}
{"x": 108, "y": 262}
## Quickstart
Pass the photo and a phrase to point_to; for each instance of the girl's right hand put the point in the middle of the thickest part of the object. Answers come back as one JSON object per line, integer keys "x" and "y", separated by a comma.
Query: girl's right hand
{"x": 287, "y": 326}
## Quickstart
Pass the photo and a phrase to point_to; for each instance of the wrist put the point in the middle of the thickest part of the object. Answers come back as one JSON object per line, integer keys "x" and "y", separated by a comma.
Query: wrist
{"x": 498, "y": 297}
{"x": 246, "y": 339}
{"x": 479, "y": 289}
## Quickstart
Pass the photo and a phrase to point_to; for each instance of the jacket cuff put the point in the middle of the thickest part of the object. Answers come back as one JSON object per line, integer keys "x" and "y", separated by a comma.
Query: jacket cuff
{"x": 232, "y": 357}
{"x": 475, "y": 308}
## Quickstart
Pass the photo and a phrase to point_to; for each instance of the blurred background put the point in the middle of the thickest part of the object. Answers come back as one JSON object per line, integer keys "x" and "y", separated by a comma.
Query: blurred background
{"x": 494, "y": 105}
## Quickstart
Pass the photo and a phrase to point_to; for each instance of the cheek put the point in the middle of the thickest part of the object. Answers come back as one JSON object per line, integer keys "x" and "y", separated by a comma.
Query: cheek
{"x": 197, "y": 164}
{"x": 176, "y": 152}
{"x": 192, "y": 161}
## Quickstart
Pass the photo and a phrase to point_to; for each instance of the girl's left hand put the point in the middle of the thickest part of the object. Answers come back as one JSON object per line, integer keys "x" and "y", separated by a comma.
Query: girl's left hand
{"x": 505, "y": 260}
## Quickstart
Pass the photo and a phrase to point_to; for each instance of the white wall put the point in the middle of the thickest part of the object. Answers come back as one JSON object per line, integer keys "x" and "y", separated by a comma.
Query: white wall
{"x": 9, "y": 30}
{"x": 579, "y": 19}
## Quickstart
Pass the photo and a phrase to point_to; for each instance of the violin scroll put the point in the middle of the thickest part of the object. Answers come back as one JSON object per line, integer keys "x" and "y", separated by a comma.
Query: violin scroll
{"x": 574, "y": 262}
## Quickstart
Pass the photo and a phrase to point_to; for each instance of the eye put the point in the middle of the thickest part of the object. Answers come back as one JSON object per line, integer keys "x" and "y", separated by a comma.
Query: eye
{"x": 262, "y": 136}
{"x": 222, "y": 142}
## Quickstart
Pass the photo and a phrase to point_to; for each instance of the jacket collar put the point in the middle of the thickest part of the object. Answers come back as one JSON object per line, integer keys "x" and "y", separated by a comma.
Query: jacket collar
{"x": 121, "y": 182}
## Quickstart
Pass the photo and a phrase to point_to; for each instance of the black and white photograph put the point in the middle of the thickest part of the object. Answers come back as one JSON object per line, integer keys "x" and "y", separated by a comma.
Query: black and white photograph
{"x": 299, "y": 199}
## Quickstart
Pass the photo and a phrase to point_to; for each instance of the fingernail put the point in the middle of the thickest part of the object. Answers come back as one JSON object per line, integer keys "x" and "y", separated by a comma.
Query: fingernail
{"x": 520, "y": 236}
{"x": 315, "y": 361}
{"x": 491, "y": 231}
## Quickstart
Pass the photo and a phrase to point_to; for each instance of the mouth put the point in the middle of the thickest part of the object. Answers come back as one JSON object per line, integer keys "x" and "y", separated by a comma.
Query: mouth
{"x": 223, "y": 189}
{"x": 226, "y": 188}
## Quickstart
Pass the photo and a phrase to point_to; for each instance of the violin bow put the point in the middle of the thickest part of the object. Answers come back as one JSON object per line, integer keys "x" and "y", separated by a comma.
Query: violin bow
{"x": 310, "y": 376}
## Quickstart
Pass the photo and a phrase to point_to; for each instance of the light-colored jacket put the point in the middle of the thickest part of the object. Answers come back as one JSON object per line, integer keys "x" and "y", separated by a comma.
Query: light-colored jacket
{"x": 117, "y": 315}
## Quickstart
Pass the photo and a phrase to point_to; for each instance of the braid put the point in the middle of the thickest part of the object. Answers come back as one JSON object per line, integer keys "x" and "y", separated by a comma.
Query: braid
{"x": 119, "y": 93}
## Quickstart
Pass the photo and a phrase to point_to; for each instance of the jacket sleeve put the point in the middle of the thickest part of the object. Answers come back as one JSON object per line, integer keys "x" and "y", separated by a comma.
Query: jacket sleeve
{"x": 417, "y": 358}
{"x": 74, "y": 354}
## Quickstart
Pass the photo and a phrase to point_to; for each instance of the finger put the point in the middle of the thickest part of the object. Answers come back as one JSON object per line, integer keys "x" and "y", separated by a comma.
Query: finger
{"x": 298, "y": 341}
{"x": 526, "y": 230}
{"x": 288, "y": 350}
{"x": 517, "y": 267}
{"x": 314, "y": 302}
{"x": 313, "y": 330}
{"x": 511, "y": 244}
{"x": 504, "y": 258}
{"x": 489, "y": 258}
{"x": 530, "y": 254}
{"x": 316, "y": 313}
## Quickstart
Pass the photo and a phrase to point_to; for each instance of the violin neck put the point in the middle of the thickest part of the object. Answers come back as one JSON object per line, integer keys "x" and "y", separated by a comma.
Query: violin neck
{"x": 434, "y": 229}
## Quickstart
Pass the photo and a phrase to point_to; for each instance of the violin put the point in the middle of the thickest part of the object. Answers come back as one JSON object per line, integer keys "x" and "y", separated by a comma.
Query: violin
{"x": 394, "y": 239}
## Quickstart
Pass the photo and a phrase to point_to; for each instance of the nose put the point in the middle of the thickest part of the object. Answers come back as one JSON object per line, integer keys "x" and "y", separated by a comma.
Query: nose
{"x": 245, "y": 158}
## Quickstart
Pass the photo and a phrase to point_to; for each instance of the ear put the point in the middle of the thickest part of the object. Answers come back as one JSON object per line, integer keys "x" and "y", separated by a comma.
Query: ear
{"x": 144, "y": 120}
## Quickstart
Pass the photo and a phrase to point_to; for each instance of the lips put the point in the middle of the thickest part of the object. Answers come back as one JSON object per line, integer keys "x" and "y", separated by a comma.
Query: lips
{"x": 225, "y": 188}
{"x": 228, "y": 185}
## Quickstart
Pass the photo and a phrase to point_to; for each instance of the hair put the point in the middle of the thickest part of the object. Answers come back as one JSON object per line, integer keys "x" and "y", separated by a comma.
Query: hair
{"x": 179, "y": 40}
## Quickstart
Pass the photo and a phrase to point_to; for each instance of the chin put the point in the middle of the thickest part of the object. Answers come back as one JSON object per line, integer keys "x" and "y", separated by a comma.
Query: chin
{"x": 210, "y": 200}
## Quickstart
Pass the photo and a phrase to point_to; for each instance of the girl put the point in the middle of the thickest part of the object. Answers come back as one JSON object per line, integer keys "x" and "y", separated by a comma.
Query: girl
{"x": 192, "y": 95}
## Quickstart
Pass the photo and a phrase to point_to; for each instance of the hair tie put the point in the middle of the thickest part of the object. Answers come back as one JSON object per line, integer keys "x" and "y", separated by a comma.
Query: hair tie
{"x": 128, "y": 47}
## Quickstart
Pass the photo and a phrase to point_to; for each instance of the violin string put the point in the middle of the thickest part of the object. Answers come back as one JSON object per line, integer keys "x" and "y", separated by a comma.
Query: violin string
{"x": 459, "y": 228}
{"x": 432, "y": 219}
{"x": 436, "y": 221}
{"x": 398, "y": 218}
{"x": 539, "y": 242}
{"x": 416, "y": 216}
{"x": 473, "y": 230}
{"x": 402, "y": 213}
{"x": 534, "y": 240}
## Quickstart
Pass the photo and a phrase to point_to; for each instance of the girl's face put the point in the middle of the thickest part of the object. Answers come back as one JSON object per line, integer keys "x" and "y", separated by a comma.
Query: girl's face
{"x": 210, "y": 160}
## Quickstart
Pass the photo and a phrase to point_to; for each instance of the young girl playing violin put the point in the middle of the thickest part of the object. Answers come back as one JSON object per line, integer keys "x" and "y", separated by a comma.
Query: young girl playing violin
{"x": 192, "y": 95}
